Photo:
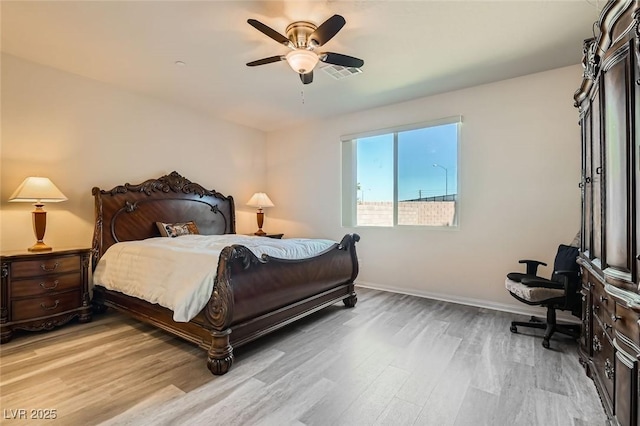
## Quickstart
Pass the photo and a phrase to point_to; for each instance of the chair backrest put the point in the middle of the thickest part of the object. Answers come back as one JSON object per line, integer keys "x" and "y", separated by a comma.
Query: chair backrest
{"x": 566, "y": 261}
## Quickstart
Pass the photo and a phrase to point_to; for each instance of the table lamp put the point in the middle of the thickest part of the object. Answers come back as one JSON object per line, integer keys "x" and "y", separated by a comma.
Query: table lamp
{"x": 38, "y": 190}
{"x": 260, "y": 200}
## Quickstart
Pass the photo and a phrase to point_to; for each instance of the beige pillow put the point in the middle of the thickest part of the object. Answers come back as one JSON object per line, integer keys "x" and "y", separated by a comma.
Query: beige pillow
{"x": 177, "y": 229}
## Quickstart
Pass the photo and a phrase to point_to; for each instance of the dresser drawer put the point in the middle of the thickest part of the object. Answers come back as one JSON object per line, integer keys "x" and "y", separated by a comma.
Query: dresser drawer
{"x": 43, "y": 290}
{"x": 45, "y": 305}
{"x": 603, "y": 359}
{"x": 45, "y": 285}
{"x": 626, "y": 322}
{"x": 603, "y": 306}
{"x": 44, "y": 266}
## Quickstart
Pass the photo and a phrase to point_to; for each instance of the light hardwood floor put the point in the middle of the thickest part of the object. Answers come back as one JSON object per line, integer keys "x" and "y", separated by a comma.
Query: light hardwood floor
{"x": 393, "y": 359}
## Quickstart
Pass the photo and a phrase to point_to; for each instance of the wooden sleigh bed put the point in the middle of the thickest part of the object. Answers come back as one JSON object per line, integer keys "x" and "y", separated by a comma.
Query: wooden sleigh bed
{"x": 251, "y": 296}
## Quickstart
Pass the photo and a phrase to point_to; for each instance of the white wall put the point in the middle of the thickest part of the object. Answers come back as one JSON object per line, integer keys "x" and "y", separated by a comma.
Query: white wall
{"x": 82, "y": 133}
{"x": 519, "y": 169}
{"x": 519, "y": 196}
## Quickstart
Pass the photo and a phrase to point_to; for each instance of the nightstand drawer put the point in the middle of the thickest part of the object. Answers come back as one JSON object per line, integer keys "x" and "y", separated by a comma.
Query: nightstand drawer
{"x": 49, "y": 265}
{"x": 45, "y": 285}
{"x": 44, "y": 306}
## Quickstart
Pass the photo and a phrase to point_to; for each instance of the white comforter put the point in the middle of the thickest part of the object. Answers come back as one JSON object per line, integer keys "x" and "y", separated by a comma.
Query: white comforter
{"x": 178, "y": 273}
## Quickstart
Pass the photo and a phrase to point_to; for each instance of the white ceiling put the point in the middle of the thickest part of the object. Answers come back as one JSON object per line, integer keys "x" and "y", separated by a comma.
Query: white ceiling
{"x": 411, "y": 49}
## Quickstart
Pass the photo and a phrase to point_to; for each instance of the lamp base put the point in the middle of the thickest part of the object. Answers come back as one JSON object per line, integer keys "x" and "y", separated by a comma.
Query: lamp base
{"x": 40, "y": 246}
{"x": 260, "y": 217}
{"x": 39, "y": 226}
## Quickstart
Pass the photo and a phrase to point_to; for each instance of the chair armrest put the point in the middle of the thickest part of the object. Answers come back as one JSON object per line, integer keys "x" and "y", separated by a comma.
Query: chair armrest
{"x": 541, "y": 282}
{"x": 532, "y": 266}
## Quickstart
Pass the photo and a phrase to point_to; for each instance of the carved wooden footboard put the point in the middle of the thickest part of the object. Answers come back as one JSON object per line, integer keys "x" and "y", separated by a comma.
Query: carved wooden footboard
{"x": 251, "y": 297}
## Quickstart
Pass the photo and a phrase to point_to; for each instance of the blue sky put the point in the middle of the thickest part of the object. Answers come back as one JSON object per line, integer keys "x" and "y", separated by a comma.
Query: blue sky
{"x": 418, "y": 150}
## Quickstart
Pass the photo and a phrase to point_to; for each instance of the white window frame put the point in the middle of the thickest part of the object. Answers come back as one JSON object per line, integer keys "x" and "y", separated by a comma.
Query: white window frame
{"x": 350, "y": 171}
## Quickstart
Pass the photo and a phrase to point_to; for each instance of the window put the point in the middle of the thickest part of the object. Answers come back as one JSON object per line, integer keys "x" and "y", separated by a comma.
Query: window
{"x": 402, "y": 176}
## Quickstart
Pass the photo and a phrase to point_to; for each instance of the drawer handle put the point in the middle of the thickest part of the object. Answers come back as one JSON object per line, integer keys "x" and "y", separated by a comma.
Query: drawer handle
{"x": 44, "y": 286}
{"x": 597, "y": 346}
{"x": 44, "y": 267}
{"x": 608, "y": 369}
{"x": 49, "y": 308}
{"x": 615, "y": 317}
{"x": 608, "y": 326}
{"x": 603, "y": 299}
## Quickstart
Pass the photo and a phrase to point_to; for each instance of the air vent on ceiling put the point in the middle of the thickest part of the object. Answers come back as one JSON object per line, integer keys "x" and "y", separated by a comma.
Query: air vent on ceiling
{"x": 339, "y": 72}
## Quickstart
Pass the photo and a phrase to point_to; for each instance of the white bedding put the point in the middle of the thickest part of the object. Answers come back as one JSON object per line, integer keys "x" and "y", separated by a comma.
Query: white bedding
{"x": 178, "y": 273}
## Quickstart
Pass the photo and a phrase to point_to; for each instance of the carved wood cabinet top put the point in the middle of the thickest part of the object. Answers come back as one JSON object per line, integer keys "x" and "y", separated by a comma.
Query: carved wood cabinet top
{"x": 619, "y": 19}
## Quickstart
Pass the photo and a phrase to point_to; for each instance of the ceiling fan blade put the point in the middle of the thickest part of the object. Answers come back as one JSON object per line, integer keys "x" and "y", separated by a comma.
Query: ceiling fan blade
{"x": 269, "y": 32}
{"x": 327, "y": 30}
{"x": 340, "y": 59}
{"x": 268, "y": 60}
{"x": 306, "y": 78}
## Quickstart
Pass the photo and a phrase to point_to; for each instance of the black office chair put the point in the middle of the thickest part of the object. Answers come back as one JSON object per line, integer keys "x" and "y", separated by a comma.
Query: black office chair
{"x": 562, "y": 292}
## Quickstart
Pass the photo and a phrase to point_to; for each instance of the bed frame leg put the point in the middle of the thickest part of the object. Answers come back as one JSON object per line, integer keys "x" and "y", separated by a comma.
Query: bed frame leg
{"x": 220, "y": 355}
{"x": 350, "y": 301}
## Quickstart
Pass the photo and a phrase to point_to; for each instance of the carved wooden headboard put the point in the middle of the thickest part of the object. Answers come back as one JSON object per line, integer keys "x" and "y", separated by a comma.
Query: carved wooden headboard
{"x": 129, "y": 212}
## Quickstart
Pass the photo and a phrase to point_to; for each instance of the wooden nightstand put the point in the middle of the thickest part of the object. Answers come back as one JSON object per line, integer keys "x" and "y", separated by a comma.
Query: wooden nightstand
{"x": 44, "y": 290}
{"x": 278, "y": 236}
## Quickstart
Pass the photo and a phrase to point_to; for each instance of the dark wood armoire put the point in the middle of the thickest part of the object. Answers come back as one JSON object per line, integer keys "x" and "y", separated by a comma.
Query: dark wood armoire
{"x": 610, "y": 248}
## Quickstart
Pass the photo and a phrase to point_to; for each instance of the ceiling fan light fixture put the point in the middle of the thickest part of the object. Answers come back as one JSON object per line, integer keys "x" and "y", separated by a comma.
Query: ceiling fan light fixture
{"x": 302, "y": 61}
{"x": 303, "y": 38}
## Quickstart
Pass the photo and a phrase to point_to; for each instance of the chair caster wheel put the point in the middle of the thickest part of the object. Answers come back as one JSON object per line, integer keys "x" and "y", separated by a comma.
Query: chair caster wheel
{"x": 545, "y": 344}
{"x": 513, "y": 329}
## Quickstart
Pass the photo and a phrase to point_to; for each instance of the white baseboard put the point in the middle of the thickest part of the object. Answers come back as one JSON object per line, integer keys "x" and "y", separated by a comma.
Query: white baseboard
{"x": 519, "y": 308}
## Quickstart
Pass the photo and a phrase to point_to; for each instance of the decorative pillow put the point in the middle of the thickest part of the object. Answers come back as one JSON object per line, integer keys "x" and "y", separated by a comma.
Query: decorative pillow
{"x": 177, "y": 229}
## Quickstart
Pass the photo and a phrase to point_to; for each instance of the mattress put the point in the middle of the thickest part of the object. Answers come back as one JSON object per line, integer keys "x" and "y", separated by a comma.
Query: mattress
{"x": 179, "y": 273}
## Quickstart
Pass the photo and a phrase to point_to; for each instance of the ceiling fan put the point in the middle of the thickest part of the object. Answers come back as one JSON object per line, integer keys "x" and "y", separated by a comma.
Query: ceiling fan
{"x": 303, "y": 38}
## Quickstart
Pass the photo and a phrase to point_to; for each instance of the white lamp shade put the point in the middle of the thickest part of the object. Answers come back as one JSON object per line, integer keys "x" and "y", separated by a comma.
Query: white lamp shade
{"x": 302, "y": 61}
{"x": 37, "y": 190}
{"x": 260, "y": 200}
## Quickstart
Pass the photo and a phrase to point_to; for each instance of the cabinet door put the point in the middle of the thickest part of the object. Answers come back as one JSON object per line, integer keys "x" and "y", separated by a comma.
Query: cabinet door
{"x": 596, "y": 179}
{"x": 635, "y": 106}
{"x": 625, "y": 401}
{"x": 585, "y": 335}
{"x": 616, "y": 92}
{"x": 604, "y": 364}
{"x": 587, "y": 199}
